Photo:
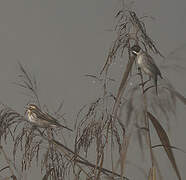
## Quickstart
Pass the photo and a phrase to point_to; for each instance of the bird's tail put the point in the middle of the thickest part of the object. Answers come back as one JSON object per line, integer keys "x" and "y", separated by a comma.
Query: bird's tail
{"x": 65, "y": 127}
{"x": 160, "y": 75}
{"x": 156, "y": 84}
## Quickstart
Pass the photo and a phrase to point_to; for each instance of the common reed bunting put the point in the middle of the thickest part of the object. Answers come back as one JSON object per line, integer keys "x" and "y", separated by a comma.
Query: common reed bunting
{"x": 147, "y": 64}
{"x": 41, "y": 119}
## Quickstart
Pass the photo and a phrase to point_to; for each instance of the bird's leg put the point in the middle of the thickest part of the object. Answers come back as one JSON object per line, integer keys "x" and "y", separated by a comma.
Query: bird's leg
{"x": 139, "y": 71}
{"x": 140, "y": 74}
{"x": 143, "y": 84}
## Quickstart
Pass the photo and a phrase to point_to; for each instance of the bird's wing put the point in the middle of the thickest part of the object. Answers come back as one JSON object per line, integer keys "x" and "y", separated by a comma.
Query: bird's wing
{"x": 34, "y": 115}
{"x": 47, "y": 117}
{"x": 43, "y": 116}
{"x": 57, "y": 122}
{"x": 51, "y": 118}
{"x": 152, "y": 65}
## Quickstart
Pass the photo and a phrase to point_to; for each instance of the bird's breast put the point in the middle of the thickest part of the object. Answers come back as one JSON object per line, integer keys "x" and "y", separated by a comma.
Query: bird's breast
{"x": 31, "y": 117}
{"x": 140, "y": 60}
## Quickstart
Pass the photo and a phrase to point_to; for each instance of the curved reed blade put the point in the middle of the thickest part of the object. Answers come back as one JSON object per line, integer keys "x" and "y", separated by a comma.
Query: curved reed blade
{"x": 173, "y": 147}
{"x": 165, "y": 141}
{"x": 177, "y": 94}
{"x": 123, "y": 85}
{"x": 180, "y": 97}
{"x": 152, "y": 174}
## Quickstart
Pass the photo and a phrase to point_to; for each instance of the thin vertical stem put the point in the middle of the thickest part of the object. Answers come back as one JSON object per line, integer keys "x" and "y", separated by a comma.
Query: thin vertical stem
{"x": 8, "y": 161}
{"x": 146, "y": 119}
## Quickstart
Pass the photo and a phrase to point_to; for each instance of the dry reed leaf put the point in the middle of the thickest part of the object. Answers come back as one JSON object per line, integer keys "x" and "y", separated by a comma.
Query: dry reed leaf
{"x": 165, "y": 141}
{"x": 123, "y": 154}
{"x": 123, "y": 85}
{"x": 173, "y": 147}
{"x": 180, "y": 97}
{"x": 177, "y": 94}
{"x": 4, "y": 168}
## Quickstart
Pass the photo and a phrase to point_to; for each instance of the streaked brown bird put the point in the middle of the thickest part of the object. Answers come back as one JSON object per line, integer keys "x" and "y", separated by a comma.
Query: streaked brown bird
{"x": 147, "y": 64}
{"x": 41, "y": 119}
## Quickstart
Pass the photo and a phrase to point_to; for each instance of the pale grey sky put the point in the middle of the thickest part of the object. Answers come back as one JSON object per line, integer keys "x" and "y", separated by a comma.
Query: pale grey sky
{"x": 60, "y": 41}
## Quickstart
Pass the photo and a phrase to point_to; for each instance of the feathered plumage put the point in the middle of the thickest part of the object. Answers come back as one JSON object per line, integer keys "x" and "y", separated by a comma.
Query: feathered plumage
{"x": 41, "y": 119}
{"x": 147, "y": 64}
